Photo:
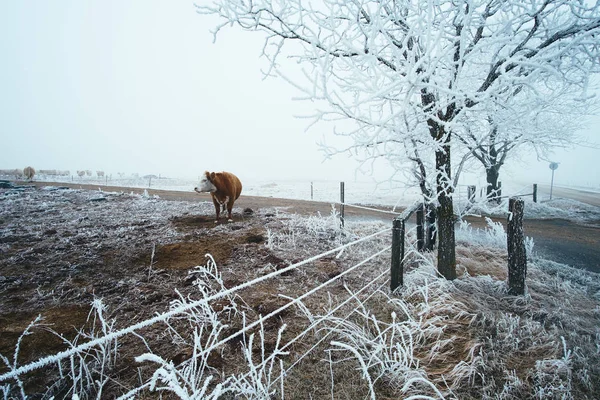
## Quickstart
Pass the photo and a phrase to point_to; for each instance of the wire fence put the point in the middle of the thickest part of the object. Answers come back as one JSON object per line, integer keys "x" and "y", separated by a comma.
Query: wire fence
{"x": 165, "y": 316}
{"x": 294, "y": 302}
{"x": 369, "y": 289}
{"x": 397, "y": 259}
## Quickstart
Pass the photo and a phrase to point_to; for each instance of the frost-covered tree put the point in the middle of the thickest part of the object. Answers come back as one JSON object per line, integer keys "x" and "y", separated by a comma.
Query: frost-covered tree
{"x": 492, "y": 152}
{"x": 524, "y": 122}
{"x": 406, "y": 71}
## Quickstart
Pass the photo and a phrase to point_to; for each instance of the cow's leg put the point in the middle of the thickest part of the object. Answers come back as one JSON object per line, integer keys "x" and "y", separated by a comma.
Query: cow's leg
{"x": 217, "y": 209}
{"x": 229, "y": 208}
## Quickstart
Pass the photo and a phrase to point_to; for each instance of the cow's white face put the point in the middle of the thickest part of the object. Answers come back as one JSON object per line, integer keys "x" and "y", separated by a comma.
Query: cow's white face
{"x": 205, "y": 185}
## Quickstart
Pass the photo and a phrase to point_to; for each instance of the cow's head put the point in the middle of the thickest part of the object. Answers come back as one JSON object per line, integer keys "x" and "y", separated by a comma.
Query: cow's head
{"x": 206, "y": 184}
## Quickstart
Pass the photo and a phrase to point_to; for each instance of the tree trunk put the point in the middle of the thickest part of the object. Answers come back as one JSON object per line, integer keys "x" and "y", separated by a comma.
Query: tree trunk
{"x": 445, "y": 213}
{"x": 492, "y": 174}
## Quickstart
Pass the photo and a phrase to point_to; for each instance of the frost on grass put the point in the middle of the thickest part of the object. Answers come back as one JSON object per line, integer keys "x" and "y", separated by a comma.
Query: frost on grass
{"x": 469, "y": 339}
{"x": 557, "y": 208}
{"x": 352, "y": 339}
{"x": 83, "y": 372}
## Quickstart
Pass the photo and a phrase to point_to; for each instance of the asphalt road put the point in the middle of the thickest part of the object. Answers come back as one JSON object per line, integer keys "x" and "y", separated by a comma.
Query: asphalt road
{"x": 584, "y": 196}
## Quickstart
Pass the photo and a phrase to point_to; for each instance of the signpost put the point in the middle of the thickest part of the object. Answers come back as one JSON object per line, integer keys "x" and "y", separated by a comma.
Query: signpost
{"x": 553, "y": 167}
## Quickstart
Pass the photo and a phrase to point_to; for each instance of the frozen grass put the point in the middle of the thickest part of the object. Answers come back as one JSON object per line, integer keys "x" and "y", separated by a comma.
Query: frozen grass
{"x": 83, "y": 373}
{"x": 469, "y": 339}
{"x": 557, "y": 208}
{"x": 432, "y": 339}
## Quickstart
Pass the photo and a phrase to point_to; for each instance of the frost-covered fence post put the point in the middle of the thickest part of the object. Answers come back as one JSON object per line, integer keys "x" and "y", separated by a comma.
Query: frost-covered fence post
{"x": 420, "y": 227}
{"x": 342, "y": 203}
{"x": 471, "y": 193}
{"x": 149, "y": 181}
{"x": 397, "y": 278}
{"x": 517, "y": 257}
{"x": 535, "y": 192}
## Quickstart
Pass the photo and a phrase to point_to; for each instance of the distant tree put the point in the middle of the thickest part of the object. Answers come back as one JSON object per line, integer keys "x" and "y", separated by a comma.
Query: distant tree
{"x": 492, "y": 153}
{"x": 524, "y": 122}
{"x": 386, "y": 65}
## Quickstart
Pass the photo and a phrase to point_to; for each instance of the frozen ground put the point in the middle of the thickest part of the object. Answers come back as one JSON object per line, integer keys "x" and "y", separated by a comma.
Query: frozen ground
{"x": 360, "y": 192}
{"x": 135, "y": 257}
{"x": 328, "y": 191}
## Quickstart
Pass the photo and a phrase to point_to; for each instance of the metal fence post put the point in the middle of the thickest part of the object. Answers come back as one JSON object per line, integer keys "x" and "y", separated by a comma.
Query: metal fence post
{"x": 397, "y": 278}
{"x": 342, "y": 203}
{"x": 535, "y": 192}
{"x": 517, "y": 257}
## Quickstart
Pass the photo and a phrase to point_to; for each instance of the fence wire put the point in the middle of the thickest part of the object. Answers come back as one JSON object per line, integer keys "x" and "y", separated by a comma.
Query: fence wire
{"x": 179, "y": 310}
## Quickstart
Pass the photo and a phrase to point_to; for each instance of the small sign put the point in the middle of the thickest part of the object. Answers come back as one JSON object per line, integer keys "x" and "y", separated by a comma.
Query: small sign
{"x": 553, "y": 166}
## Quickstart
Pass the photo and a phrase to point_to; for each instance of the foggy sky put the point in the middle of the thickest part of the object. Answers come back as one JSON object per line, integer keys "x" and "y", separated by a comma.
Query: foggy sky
{"x": 139, "y": 87}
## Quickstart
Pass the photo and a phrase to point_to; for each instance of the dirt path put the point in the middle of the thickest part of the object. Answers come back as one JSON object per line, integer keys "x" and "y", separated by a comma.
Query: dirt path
{"x": 563, "y": 241}
{"x": 303, "y": 207}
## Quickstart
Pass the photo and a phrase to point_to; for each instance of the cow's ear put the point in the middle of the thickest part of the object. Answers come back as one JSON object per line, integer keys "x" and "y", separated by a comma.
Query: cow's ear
{"x": 212, "y": 176}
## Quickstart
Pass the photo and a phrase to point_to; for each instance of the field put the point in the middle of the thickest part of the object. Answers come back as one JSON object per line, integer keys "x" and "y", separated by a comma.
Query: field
{"x": 91, "y": 263}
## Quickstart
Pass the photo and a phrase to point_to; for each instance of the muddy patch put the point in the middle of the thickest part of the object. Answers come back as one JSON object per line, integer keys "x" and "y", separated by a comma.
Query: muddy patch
{"x": 41, "y": 341}
{"x": 188, "y": 254}
{"x": 193, "y": 222}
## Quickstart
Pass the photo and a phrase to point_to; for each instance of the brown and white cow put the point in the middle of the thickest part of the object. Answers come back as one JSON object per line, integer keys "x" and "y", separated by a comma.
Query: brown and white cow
{"x": 225, "y": 189}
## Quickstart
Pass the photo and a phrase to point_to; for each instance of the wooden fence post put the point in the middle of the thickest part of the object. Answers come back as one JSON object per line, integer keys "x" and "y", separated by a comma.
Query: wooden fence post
{"x": 420, "y": 228}
{"x": 517, "y": 257}
{"x": 342, "y": 203}
{"x": 397, "y": 278}
{"x": 535, "y": 192}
